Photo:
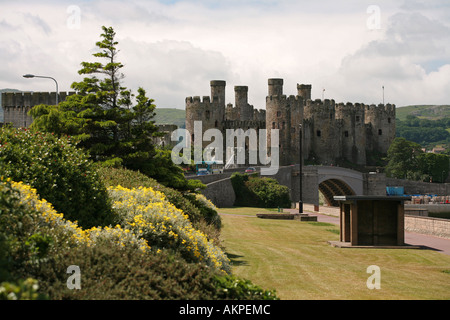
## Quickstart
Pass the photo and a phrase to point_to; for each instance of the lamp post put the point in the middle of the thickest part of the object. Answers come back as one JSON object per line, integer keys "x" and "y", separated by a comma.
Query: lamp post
{"x": 33, "y": 76}
{"x": 300, "y": 201}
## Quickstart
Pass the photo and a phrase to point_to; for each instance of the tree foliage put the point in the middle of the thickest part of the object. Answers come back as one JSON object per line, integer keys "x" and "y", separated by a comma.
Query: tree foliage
{"x": 112, "y": 124}
{"x": 423, "y": 131}
{"x": 407, "y": 160}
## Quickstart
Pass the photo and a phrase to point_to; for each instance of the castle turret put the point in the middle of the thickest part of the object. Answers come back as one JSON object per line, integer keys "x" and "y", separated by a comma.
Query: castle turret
{"x": 275, "y": 87}
{"x": 352, "y": 132}
{"x": 304, "y": 91}
{"x": 218, "y": 90}
{"x": 284, "y": 113}
{"x": 241, "y": 101}
{"x": 380, "y": 123}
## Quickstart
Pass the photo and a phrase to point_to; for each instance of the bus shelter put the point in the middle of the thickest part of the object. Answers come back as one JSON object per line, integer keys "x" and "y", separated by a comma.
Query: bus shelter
{"x": 372, "y": 220}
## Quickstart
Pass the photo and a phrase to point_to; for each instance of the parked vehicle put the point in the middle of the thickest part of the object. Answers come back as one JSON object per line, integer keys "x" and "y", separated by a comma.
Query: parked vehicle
{"x": 250, "y": 170}
{"x": 202, "y": 172}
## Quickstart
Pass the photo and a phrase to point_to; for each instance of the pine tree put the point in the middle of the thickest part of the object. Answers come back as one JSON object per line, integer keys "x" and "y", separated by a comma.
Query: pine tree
{"x": 104, "y": 119}
{"x": 101, "y": 114}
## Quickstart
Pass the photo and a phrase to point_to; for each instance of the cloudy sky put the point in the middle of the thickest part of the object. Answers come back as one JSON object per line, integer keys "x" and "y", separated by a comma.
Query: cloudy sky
{"x": 173, "y": 48}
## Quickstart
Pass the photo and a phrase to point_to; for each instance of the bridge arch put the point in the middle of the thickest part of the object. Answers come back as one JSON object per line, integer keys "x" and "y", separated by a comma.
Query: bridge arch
{"x": 334, "y": 187}
{"x": 337, "y": 181}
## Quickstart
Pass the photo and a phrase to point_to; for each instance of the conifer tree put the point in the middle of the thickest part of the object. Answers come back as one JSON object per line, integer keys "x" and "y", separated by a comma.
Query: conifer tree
{"x": 106, "y": 121}
{"x": 101, "y": 114}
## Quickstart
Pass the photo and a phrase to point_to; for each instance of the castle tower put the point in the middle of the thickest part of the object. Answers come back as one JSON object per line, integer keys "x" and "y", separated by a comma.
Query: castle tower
{"x": 210, "y": 111}
{"x": 285, "y": 114}
{"x": 218, "y": 90}
{"x": 322, "y": 131}
{"x": 241, "y": 102}
{"x": 380, "y": 125}
{"x": 275, "y": 87}
{"x": 352, "y": 132}
{"x": 304, "y": 91}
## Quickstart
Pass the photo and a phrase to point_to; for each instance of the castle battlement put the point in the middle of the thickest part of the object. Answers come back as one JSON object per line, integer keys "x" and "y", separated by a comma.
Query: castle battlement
{"x": 202, "y": 100}
{"x": 284, "y": 97}
{"x": 388, "y": 109}
{"x": 319, "y": 106}
{"x": 31, "y": 99}
{"x": 244, "y": 124}
{"x": 331, "y": 130}
{"x": 16, "y": 105}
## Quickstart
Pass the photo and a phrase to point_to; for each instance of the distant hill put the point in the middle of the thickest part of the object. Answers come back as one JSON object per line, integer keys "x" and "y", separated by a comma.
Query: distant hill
{"x": 171, "y": 116}
{"x": 431, "y": 112}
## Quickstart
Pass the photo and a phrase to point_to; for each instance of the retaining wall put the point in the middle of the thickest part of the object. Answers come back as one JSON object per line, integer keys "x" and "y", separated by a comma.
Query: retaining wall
{"x": 427, "y": 225}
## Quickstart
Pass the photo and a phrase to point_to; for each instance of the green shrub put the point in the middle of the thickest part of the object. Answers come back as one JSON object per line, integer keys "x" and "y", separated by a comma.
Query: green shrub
{"x": 39, "y": 246}
{"x": 244, "y": 197}
{"x": 125, "y": 274}
{"x": 263, "y": 192}
{"x": 269, "y": 192}
{"x": 61, "y": 173}
{"x": 148, "y": 214}
{"x": 134, "y": 179}
{"x": 231, "y": 287}
{"x": 201, "y": 216}
{"x": 22, "y": 290}
{"x": 207, "y": 209}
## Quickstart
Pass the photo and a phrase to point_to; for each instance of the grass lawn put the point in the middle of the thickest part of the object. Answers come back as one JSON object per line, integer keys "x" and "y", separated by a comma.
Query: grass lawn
{"x": 295, "y": 259}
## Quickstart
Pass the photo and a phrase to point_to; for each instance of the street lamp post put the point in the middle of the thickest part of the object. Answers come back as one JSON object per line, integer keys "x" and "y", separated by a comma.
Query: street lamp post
{"x": 300, "y": 201}
{"x": 33, "y": 76}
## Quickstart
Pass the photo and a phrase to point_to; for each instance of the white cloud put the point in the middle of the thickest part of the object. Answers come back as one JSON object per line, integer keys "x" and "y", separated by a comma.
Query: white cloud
{"x": 174, "y": 48}
{"x": 411, "y": 60}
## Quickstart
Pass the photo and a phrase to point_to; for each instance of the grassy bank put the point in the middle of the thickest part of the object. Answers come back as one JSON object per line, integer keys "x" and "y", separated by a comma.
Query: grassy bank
{"x": 295, "y": 259}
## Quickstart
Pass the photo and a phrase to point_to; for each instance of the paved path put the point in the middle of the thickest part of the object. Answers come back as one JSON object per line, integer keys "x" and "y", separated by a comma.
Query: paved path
{"x": 331, "y": 215}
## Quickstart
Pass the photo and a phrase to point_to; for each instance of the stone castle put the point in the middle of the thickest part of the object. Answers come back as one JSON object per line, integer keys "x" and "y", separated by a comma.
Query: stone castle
{"x": 16, "y": 106}
{"x": 332, "y": 132}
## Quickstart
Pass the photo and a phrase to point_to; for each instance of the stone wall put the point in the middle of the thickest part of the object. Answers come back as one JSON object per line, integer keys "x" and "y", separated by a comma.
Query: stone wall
{"x": 16, "y": 105}
{"x": 221, "y": 193}
{"x": 426, "y": 225}
{"x": 418, "y": 187}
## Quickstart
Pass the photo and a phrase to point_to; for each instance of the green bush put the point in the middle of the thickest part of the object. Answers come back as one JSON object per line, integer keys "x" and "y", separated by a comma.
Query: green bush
{"x": 207, "y": 209}
{"x": 254, "y": 191}
{"x": 38, "y": 245}
{"x": 269, "y": 193}
{"x": 125, "y": 274}
{"x": 147, "y": 213}
{"x": 201, "y": 217}
{"x": 244, "y": 197}
{"x": 61, "y": 173}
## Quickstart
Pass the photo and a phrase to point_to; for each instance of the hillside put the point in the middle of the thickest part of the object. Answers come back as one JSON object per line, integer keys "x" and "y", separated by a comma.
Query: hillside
{"x": 170, "y": 116}
{"x": 431, "y": 112}
{"x": 428, "y": 125}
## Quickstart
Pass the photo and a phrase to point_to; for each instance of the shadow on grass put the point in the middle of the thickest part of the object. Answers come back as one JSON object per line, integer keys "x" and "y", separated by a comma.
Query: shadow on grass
{"x": 236, "y": 260}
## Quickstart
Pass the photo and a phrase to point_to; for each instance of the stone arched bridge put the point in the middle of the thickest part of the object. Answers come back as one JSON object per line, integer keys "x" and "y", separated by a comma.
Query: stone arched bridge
{"x": 331, "y": 181}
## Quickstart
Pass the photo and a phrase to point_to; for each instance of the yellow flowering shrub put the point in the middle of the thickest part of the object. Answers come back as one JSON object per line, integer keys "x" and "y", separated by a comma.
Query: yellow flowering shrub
{"x": 148, "y": 214}
{"x": 201, "y": 198}
{"x": 69, "y": 230}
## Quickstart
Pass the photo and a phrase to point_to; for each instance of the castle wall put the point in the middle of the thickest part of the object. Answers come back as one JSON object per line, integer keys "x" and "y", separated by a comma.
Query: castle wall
{"x": 284, "y": 113}
{"x": 331, "y": 131}
{"x": 16, "y": 105}
{"x": 323, "y": 131}
{"x": 380, "y": 122}
{"x": 352, "y": 132}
